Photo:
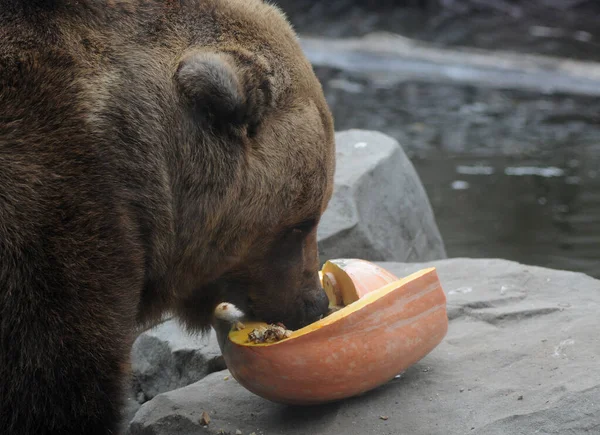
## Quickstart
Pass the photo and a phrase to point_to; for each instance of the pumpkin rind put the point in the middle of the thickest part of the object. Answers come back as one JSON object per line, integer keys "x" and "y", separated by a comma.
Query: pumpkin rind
{"x": 354, "y": 350}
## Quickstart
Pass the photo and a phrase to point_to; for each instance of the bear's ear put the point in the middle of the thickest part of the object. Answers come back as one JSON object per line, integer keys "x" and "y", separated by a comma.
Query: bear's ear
{"x": 212, "y": 85}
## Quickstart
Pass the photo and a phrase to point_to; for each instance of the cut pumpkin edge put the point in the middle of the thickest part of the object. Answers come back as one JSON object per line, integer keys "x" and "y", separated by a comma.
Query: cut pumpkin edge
{"x": 239, "y": 337}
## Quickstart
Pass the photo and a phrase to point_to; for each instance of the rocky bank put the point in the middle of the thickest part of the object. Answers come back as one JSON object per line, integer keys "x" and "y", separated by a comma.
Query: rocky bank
{"x": 520, "y": 357}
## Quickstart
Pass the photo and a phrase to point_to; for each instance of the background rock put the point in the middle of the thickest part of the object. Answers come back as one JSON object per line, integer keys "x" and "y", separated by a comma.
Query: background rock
{"x": 166, "y": 357}
{"x": 379, "y": 210}
{"x": 520, "y": 357}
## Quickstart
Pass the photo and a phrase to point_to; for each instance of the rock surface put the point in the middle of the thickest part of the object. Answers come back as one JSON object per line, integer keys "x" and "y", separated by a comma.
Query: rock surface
{"x": 379, "y": 209}
{"x": 166, "y": 357}
{"x": 521, "y": 357}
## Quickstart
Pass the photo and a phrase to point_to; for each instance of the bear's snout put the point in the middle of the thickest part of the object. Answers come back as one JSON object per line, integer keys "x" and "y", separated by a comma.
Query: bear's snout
{"x": 315, "y": 305}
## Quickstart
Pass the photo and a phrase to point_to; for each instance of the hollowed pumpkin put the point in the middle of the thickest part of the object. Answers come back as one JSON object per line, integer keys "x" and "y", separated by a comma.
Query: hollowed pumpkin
{"x": 391, "y": 324}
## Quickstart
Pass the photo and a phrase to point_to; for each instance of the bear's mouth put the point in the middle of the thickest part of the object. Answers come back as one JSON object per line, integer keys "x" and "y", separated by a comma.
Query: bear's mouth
{"x": 259, "y": 305}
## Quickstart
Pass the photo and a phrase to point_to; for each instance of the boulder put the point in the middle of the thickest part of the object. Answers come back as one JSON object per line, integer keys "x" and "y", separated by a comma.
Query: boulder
{"x": 166, "y": 357}
{"x": 379, "y": 209}
{"x": 520, "y": 357}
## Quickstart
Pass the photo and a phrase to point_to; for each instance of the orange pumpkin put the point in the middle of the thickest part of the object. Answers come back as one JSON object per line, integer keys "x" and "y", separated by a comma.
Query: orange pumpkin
{"x": 355, "y": 349}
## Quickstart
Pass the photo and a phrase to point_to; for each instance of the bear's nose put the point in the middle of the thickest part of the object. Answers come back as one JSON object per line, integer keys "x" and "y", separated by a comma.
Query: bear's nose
{"x": 316, "y": 307}
{"x": 323, "y": 302}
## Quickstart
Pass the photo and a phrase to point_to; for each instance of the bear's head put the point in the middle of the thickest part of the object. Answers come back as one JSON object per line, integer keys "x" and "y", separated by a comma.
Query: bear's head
{"x": 253, "y": 192}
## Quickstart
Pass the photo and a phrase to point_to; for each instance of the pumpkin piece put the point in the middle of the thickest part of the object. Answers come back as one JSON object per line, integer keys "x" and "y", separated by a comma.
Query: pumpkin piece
{"x": 347, "y": 280}
{"x": 353, "y": 350}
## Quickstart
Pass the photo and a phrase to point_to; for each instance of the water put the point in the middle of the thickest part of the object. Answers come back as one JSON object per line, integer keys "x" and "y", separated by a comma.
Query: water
{"x": 510, "y": 174}
{"x": 554, "y": 27}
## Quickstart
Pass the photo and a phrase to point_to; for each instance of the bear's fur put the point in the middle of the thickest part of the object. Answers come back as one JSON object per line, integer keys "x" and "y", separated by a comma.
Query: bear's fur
{"x": 156, "y": 156}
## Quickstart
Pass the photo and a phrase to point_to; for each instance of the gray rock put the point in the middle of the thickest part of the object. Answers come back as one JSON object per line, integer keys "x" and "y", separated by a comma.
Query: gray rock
{"x": 379, "y": 210}
{"x": 520, "y": 357}
{"x": 167, "y": 357}
{"x": 130, "y": 408}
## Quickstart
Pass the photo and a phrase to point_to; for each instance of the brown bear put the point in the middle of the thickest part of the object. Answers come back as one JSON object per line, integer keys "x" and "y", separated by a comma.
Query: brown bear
{"x": 156, "y": 156}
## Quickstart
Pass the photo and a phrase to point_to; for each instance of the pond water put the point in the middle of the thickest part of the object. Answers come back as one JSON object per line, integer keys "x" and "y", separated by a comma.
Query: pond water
{"x": 567, "y": 28}
{"x": 510, "y": 174}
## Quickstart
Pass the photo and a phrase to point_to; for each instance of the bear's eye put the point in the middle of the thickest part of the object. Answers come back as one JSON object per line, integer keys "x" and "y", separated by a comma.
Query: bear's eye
{"x": 252, "y": 130}
{"x": 304, "y": 227}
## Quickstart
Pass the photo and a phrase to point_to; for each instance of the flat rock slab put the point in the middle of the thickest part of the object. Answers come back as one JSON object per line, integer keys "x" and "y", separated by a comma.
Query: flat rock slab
{"x": 522, "y": 356}
{"x": 392, "y": 58}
